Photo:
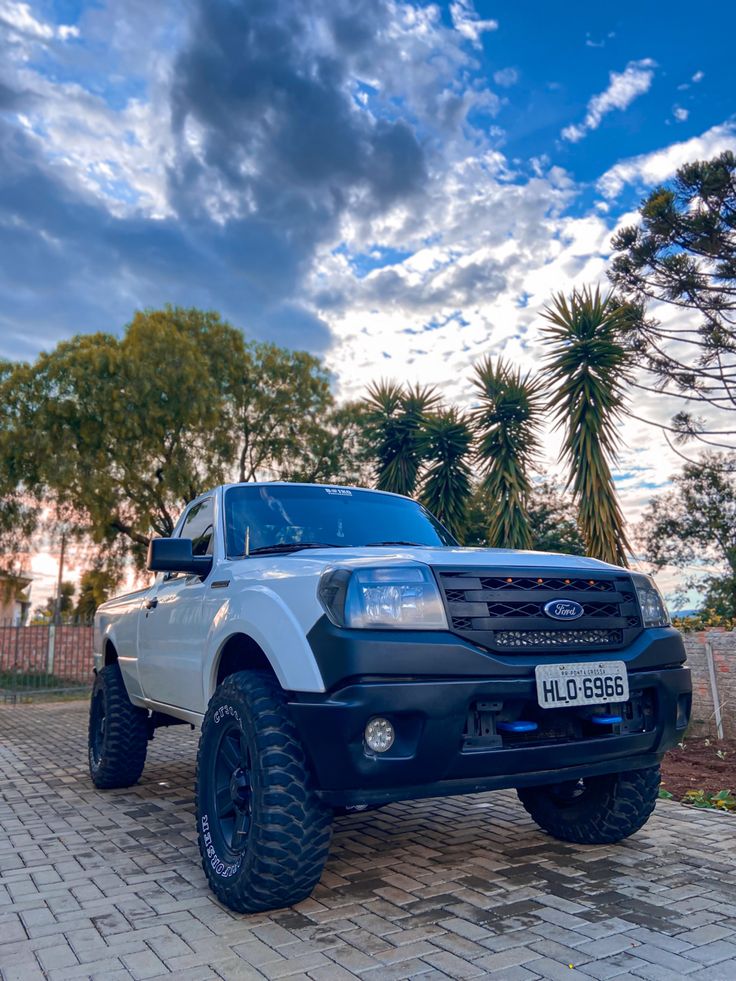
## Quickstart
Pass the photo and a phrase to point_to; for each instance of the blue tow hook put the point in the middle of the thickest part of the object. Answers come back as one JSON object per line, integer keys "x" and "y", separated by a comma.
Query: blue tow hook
{"x": 519, "y": 726}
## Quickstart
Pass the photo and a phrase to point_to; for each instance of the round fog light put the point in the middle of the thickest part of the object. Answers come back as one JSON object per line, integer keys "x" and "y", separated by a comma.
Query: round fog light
{"x": 379, "y": 735}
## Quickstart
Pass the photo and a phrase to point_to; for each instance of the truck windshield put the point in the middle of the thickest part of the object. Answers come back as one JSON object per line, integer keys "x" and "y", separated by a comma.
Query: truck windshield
{"x": 266, "y": 516}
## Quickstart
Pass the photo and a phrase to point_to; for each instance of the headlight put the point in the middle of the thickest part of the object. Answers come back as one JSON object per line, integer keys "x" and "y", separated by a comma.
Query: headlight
{"x": 404, "y": 597}
{"x": 653, "y": 610}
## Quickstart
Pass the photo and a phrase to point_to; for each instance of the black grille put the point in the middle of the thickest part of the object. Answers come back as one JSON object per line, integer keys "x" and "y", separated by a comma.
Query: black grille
{"x": 506, "y": 612}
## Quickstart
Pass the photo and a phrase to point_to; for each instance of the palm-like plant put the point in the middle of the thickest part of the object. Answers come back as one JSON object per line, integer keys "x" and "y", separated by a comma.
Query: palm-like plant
{"x": 395, "y": 421}
{"x": 588, "y": 367}
{"x": 506, "y": 422}
{"x": 445, "y": 444}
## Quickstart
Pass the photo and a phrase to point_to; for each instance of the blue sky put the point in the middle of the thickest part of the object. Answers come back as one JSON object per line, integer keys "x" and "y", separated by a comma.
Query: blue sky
{"x": 397, "y": 186}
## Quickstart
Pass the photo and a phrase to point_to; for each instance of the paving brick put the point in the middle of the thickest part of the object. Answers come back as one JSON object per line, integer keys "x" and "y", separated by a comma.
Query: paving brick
{"x": 718, "y": 950}
{"x": 507, "y": 958}
{"x": 110, "y": 886}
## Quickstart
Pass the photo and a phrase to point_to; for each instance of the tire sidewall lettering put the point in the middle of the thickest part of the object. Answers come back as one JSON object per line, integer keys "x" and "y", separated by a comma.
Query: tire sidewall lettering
{"x": 224, "y": 712}
{"x": 224, "y": 869}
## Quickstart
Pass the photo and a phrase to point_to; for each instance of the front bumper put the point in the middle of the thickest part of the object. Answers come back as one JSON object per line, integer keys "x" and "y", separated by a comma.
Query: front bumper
{"x": 432, "y": 754}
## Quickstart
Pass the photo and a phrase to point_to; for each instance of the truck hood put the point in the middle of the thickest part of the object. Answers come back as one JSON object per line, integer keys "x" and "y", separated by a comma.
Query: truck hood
{"x": 502, "y": 558}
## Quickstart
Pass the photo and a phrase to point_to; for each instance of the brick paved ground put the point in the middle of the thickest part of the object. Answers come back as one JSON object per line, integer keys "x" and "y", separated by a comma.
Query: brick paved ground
{"x": 108, "y": 885}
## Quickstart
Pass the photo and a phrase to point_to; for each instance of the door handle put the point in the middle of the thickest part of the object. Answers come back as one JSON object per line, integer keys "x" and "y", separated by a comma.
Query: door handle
{"x": 151, "y": 604}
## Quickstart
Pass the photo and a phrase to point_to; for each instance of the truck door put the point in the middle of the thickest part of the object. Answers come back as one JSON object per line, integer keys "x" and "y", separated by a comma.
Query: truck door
{"x": 172, "y": 624}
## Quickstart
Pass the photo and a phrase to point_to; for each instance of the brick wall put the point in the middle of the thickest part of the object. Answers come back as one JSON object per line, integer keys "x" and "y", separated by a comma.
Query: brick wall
{"x": 66, "y": 650}
{"x": 723, "y": 646}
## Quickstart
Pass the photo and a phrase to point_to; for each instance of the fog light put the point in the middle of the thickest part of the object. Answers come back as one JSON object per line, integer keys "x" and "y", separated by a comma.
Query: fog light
{"x": 379, "y": 735}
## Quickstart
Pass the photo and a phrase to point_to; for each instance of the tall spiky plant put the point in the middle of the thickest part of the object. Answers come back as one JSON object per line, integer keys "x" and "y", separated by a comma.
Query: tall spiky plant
{"x": 445, "y": 445}
{"x": 395, "y": 421}
{"x": 588, "y": 367}
{"x": 506, "y": 422}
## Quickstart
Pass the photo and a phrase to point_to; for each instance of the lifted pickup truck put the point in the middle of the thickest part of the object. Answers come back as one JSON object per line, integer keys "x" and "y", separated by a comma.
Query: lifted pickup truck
{"x": 340, "y": 650}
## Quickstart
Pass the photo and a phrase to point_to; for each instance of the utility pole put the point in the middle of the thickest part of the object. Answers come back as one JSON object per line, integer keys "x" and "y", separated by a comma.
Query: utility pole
{"x": 57, "y": 604}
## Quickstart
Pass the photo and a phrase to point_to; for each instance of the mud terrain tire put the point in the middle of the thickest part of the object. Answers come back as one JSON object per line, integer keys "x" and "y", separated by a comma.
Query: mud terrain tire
{"x": 596, "y": 810}
{"x": 118, "y": 733}
{"x": 264, "y": 835}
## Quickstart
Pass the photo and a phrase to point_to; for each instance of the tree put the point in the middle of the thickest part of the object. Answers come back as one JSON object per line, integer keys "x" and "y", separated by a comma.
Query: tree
{"x": 119, "y": 434}
{"x": 395, "y": 421}
{"x": 47, "y": 612}
{"x": 95, "y": 587}
{"x": 694, "y": 525}
{"x": 551, "y": 520}
{"x": 551, "y": 526}
{"x": 506, "y": 424}
{"x": 444, "y": 444}
{"x": 339, "y": 450}
{"x": 588, "y": 371}
{"x": 280, "y": 400}
{"x": 683, "y": 253}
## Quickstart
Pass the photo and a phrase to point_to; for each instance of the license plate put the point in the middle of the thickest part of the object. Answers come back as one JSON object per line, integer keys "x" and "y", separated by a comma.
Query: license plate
{"x": 581, "y": 684}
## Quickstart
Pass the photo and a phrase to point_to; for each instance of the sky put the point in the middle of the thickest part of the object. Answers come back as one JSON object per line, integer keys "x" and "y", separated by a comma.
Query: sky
{"x": 398, "y": 187}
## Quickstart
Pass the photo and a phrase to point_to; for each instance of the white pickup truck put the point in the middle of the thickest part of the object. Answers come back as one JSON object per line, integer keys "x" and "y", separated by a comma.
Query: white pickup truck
{"x": 340, "y": 651}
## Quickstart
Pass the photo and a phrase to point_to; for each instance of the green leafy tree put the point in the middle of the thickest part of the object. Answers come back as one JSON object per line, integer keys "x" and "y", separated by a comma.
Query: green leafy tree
{"x": 694, "y": 524}
{"x": 95, "y": 587}
{"x": 339, "y": 450}
{"x": 19, "y": 514}
{"x": 552, "y": 522}
{"x": 588, "y": 371}
{"x": 506, "y": 424}
{"x": 683, "y": 253}
{"x": 395, "y": 426}
{"x": 444, "y": 445}
{"x": 119, "y": 434}
{"x": 45, "y": 613}
{"x": 280, "y": 401}
{"x": 549, "y": 509}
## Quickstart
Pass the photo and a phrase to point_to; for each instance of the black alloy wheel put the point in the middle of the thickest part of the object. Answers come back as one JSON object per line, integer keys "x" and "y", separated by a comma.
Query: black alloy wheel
{"x": 233, "y": 788}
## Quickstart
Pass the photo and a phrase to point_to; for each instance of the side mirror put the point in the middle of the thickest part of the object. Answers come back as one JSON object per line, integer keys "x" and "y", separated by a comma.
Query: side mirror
{"x": 175, "y": 555}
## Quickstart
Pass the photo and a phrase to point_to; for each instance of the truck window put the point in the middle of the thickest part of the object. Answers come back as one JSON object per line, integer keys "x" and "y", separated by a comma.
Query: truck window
{"x": 275, "y": 514}
{"x": 198, "y": 525}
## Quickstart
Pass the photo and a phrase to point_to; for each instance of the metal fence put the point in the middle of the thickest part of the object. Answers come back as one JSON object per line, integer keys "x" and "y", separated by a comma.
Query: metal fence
{"x": 50, "y": 660}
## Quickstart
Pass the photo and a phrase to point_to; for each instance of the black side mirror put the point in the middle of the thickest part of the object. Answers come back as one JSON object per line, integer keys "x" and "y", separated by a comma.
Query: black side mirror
{"x": 175, "y": 555}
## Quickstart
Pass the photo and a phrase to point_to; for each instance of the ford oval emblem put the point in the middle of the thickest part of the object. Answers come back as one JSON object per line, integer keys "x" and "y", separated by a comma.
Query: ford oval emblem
{"x": 562, "y": 609}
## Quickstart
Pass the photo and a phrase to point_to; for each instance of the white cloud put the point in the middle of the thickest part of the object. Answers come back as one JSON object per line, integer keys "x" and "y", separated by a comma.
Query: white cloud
{"x": 623, "y": 88}
{"x": 506, "y": 77}
{"x": 467, "y": 22}
{"x": 649, "y": 169}
{"x": 23, "y": 25}
{"x": 680, "y": 114}
{"x": 698, "y": 77}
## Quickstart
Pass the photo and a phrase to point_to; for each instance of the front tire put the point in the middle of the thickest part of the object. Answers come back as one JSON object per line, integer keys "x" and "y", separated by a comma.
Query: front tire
{"x": 594, "y": 810}
{"x": 118, "y": 732}
{"x": 264, "y": 835}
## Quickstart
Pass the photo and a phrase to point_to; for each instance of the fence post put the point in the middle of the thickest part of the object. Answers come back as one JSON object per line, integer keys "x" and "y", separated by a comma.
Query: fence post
{"x": 714, "y": 688}
{"x": 50, "y": 652}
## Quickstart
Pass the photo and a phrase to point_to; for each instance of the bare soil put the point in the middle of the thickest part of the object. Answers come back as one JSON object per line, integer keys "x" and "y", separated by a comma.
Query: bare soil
{"x": 697, "y": 766}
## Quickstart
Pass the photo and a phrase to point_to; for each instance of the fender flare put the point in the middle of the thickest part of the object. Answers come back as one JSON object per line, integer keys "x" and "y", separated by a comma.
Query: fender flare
{"x": 273, "y": 626}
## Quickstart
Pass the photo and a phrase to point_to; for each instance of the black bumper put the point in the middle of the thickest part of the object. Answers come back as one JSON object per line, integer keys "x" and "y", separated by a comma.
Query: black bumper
{"x": 432, "y": 756}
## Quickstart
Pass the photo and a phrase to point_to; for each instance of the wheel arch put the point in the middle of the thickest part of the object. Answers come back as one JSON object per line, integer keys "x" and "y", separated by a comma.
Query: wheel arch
{"x": 109, "y": 653}
{"x": 240, "y": 652}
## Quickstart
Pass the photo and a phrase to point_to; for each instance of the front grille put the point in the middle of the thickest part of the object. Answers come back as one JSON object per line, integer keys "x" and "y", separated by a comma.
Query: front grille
{"x": 506, "y": 612}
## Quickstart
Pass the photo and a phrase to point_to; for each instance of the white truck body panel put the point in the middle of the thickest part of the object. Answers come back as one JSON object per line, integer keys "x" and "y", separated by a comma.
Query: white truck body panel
{"x": 169, "y": 654}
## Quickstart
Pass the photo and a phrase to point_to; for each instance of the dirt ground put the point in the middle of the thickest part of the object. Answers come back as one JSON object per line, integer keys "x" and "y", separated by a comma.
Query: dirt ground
{"x": 698, "y": 767}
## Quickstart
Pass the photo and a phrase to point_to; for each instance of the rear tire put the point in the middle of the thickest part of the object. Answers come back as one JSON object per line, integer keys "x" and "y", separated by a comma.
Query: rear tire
{"x": 594, "y": 810}
{"x": 263, "y": 833}
{"x": 118, "y": 732}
